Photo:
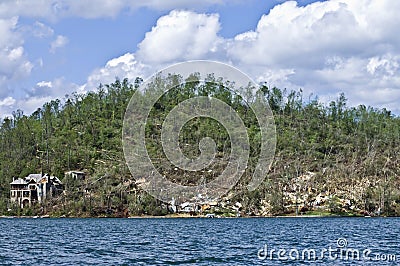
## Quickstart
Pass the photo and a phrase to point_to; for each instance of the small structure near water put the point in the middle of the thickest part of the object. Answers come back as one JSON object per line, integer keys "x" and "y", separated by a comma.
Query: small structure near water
{"x": 34, "y": 188}
{"x": 207, "y": 208}
{"x": 76, "y": 175}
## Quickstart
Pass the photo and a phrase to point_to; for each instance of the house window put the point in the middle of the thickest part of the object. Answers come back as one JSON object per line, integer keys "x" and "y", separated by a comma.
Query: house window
{"x": 26, "y": 194}
{"x": 32, "y": 187}
{"x": 18, "y": 194}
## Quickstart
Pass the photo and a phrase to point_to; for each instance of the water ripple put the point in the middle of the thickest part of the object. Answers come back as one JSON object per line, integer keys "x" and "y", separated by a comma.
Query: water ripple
{"x": 191, "y": 241}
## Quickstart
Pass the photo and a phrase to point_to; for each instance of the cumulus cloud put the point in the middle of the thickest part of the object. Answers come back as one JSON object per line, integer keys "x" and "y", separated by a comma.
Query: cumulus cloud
{"x": 326, "y": 48}
{"x": 386, "y": 65}
{"x": 45, "y": 91}
{"x": 125, "y": 66}
{"x": 34, "y": 98}
{"x": 299, "y": 36}
{"x": 9, "y": 101}
{"x": 59, "y": 42}
{"x": 7, "y": 106}
{"x": 13, "y": 61}
{"x": 181, "y": 35}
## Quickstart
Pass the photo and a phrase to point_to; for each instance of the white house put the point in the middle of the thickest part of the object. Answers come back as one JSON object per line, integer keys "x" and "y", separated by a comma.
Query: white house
{"x": 34, "y": 188}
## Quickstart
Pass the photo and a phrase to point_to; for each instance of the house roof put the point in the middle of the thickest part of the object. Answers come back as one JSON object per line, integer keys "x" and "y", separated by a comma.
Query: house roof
{"x": 55, "y": 179}
{"x": 75, "y": 172}
{"x": 187, "y": 204}
{"x": 19, "y": 181}
{"x": 36, "y": 178}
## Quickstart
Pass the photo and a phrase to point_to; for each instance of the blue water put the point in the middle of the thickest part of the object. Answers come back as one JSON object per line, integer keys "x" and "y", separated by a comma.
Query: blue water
{"x": 199, "y": 241}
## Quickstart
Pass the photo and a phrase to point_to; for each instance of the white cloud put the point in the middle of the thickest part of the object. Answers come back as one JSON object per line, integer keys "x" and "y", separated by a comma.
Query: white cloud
{"x": 13, "y": 62}
{"x": 7, "y": 106}
{"x": 298, "y": 36}
{"x": 31, "y": 104}
{"x": 42, "y": 92}
{"x": 181, "y": 35}
{"x": 9, "y": 36}
{"x": 41, "y": 30}
{"x": 25, "y": 8}
{"x": 386, "y": 65}
{"x": 327, "y": 47}
{"x": 57, "y": 88}
{"x": 59, "y": 42}
{"x": 48, "y": 84}
{"x": 276, "y": 76}
{"x": 9, "y": 101}
{"x": 15, "y": 54}
{"x": 125, "y": 66}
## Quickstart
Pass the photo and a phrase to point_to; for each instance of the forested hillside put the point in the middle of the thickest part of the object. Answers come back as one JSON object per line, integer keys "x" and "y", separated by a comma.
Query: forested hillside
{"x": 329, "y": 158}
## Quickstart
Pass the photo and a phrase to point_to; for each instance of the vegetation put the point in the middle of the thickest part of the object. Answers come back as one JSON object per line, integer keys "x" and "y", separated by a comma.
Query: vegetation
{"x": 346, "y": 156}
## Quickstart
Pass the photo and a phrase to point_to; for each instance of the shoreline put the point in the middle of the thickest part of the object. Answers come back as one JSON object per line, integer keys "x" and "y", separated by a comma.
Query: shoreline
{"x": 189, "y": 216}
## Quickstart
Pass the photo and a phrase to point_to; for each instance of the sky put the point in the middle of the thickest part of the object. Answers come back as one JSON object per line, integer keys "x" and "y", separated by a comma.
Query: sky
{"x": 52, "y": 48}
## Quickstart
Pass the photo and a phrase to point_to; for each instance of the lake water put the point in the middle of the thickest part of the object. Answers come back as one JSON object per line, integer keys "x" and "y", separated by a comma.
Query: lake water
{"x": 335, "y": 241}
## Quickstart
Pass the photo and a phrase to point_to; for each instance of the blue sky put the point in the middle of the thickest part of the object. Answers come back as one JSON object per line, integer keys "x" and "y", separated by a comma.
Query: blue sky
{"x": 51, "y": 48}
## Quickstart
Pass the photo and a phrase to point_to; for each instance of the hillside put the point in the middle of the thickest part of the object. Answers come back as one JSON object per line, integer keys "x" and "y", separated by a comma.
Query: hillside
{"x": 329, "y": 158}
